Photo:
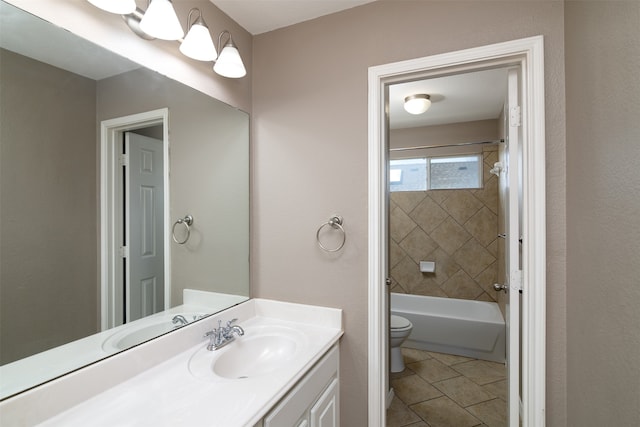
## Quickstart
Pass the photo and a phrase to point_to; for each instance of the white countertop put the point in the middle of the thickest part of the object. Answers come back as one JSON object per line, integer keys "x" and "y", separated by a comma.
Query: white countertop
{"x": 169, "y": 394}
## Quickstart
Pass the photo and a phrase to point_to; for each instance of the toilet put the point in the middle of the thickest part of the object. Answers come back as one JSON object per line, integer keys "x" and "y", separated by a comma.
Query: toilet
{"x": 400, "y": 330}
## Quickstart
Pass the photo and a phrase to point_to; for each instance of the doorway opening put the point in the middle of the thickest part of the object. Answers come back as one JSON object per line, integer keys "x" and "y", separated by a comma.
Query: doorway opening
{"x": 134, "y": 190}
{"x": 526, "y": 56}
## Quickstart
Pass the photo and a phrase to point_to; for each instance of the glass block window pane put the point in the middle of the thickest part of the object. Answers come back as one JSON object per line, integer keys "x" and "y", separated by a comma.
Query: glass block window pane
{"x": 408, "y": 175}
{"x": 455, "y": 172}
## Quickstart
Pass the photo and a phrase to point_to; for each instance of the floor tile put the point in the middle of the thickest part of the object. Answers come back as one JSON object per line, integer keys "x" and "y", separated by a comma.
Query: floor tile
{"x": 450, "y": 359}
{"x": 493, "y": 413}
{"x": 463, "y": 391}
{"x": 433, "y": 370}
{"x": 399, "y": 415}
{"x": 443, "y": 412}
{"x": 414, "y": 389}
{"x": 498, "y": 389}
{"x": 474, "y": 392}
{"x": 412, "y": 355}
{"x": 481, "y": 372}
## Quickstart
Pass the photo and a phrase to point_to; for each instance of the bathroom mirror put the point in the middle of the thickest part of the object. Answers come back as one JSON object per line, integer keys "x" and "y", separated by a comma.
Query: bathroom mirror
{"x": 52, "y": 309}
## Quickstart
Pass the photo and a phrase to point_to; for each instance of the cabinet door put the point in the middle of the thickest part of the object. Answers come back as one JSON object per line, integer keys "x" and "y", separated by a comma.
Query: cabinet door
{"x": 326, "y": 411}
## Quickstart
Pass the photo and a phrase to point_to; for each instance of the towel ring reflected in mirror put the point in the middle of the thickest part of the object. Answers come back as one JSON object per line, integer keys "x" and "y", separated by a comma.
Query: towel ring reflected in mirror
{"x": 187, "y": 221}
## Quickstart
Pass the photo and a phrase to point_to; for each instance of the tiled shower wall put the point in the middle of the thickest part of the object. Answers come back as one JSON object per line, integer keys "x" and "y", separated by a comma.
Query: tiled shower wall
{"x": 455, "y": 228}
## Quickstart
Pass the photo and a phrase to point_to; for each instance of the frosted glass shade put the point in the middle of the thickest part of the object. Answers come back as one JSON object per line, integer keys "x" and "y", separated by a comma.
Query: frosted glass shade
{"x": 229, "y": 63}
{"x": 121, "y": 7}
{"x": 198, "y": 44}
{"x": 160, "y": 21}
{"x": 417, "y": 104}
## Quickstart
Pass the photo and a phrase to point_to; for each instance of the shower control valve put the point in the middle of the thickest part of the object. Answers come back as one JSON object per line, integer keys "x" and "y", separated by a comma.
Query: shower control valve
{"x": 498, "y": 287}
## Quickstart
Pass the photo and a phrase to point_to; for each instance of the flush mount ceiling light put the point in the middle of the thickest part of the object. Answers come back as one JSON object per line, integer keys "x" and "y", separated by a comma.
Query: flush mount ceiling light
{"x": 229, "y": 63}
{"x": 121, "y": 7}
{"x": 198, "y": 44}
{"x": 417, "y": 104}
{"x": 161, "y": 22}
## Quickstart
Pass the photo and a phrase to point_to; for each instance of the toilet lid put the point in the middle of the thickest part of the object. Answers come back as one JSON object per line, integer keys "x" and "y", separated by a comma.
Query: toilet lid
{"x": 399, "y": 322}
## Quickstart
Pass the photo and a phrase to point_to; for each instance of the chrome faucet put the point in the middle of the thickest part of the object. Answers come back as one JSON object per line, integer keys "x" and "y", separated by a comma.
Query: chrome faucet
{"x": 179, "y": 320}
{"x": 223, "y": 335}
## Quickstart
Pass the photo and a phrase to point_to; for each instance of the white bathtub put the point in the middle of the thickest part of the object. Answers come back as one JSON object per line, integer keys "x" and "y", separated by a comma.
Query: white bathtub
{"x": 454, "y": 326}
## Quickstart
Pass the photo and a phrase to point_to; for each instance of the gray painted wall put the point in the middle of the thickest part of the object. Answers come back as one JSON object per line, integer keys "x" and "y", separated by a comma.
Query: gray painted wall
{"x": 49, "y": 251}
{"x": 603, "y": 213}
{"x": 310, "y": 156}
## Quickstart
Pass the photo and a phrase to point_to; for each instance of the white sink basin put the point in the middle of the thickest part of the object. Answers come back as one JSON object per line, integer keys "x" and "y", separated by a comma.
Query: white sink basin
{"x": 143, "y": 330}
{"x": 261, "y": 351}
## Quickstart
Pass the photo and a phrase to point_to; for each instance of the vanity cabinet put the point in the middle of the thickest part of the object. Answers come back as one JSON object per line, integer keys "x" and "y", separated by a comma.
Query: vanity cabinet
{"x": 315, "y": 399}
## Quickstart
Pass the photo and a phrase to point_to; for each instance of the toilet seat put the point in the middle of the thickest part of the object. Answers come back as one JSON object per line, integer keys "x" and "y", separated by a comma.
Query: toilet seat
{"x": 399, "y": 323}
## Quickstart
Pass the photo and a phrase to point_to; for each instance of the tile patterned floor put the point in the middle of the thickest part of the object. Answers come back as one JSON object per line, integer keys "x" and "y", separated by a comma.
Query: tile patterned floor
{"x": 443, "y": 390}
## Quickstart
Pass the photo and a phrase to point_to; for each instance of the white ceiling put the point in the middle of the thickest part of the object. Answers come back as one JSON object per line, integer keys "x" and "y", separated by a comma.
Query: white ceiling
{"x": 458, "y": 98}
{"x": 261, "y": 16}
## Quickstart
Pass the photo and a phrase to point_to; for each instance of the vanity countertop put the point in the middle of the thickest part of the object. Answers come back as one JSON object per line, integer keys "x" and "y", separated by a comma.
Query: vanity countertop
{"x": 178, "y": 392}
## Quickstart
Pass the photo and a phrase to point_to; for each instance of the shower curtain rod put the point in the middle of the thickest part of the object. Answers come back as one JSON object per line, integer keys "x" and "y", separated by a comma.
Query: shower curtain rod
{"x": 497, "y": 141}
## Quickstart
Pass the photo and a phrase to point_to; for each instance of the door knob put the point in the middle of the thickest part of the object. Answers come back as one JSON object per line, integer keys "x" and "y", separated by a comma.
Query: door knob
{"x": 388, "y": 281}
{"x": 498, "y": 287}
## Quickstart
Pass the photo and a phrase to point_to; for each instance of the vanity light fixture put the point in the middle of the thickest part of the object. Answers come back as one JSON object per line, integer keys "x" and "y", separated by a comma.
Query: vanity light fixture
{"x": 229, "y": 63}
{"x": 198, "y": 44}
{"x": 121, "y": 7}
{"x": 161, "y": 22}
{"x": 417, "y": 104}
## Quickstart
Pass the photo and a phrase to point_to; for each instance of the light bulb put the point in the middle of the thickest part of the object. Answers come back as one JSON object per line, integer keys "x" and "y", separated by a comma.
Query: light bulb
{"x": 417, "y": 104}
{"x": 229, "y": 63}
{"x": 198, "y": 44}
{"x": 161, "y": 22}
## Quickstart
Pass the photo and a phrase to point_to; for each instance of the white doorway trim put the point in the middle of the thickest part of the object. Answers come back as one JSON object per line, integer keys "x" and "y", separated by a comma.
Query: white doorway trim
{"x": 111, "y": 208}
{"x": 528, "y": 55}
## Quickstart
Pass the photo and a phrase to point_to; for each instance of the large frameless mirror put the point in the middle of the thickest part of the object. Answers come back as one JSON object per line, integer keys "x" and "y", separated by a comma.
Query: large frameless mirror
{"x": 95, "y": 258}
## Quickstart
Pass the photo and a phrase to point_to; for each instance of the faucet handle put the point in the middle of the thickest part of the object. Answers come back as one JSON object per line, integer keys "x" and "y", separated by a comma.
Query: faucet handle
{"x": 231, "y": 322}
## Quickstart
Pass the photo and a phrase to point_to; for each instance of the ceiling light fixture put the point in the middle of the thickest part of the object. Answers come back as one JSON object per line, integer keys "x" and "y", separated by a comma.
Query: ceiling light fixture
{"x": 198, "y": 44}
{"x": 229, "y": 63}
{"x": 121, "y": 7}
{"x": 160, "y": 21}
{"x": 417, "y": 104}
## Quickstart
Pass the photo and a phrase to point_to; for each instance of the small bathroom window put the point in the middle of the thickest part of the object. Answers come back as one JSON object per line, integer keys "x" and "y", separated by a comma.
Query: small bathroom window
{"x": 454, "y": 172}
{"x": 408, "y": 174}
{"x": 436, "y": 173}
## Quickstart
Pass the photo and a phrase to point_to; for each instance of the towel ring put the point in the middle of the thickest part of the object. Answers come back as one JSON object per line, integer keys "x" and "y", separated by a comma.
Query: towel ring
{"x": 335, "y": 222}
{"x": 187, "y": 221}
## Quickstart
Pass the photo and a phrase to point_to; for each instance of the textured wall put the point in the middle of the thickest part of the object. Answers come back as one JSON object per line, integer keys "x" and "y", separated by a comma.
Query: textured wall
{"x": 310, "y": 156}
{"x": 603, "y": 213}
{"x": 455, "y": 228}
{"x": 48, "y": 199}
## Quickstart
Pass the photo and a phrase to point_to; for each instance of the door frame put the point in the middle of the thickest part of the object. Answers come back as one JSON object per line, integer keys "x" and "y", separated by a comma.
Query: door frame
{"x": 111, "y": 213}
{"x": 527, "y": 54}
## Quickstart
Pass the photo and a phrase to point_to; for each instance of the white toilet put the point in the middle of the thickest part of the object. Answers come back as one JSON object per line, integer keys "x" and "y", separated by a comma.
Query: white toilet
{"x": 400, "y": 330}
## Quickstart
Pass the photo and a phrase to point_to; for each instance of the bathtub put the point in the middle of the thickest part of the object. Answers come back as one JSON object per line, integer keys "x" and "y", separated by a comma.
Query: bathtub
{"x": 454, "y": 326}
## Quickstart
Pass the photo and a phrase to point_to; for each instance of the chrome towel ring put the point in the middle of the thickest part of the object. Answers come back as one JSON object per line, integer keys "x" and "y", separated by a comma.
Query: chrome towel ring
{"x": 336, "y": 223}
{"x": 186, "y": 221}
